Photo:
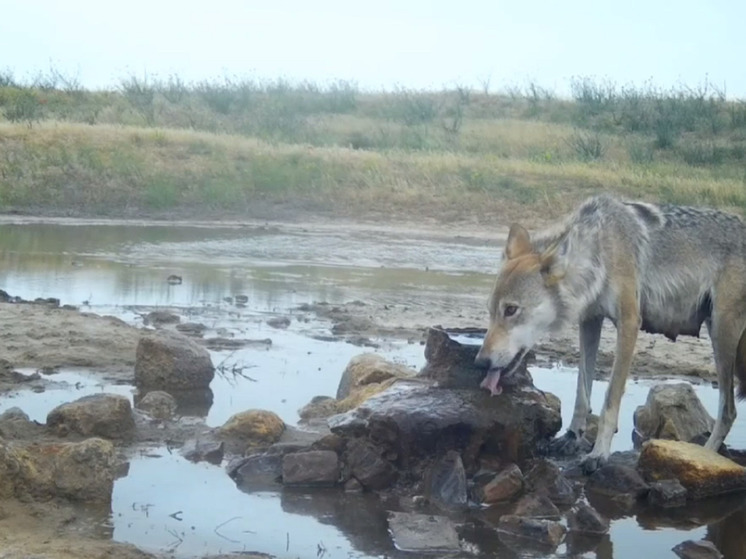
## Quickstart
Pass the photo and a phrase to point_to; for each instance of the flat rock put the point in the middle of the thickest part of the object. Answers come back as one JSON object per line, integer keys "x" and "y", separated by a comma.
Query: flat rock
{"x": 536, "y": 506}
{"x": 672, "y": 411}
{"x": 584, "y": 519}
{"x": 257, "y": 471}
{"x": 447, "y": 481}
{"x": 702, "y": 472}
{"x": 314, "y": 467}
{"x": 701, "y": 549}
{"x": 622, "y": 484}
{"x": 422, "y": 533}
{"x": 167, "y": 360}
{"x": 667, "y": 493}
{"x": 99, "y": 415}
{"x": 537, "y": 533}
{"x": 417, "y": 420}
{"x": 505, "y": 486}
{"x": 160, "y": 318}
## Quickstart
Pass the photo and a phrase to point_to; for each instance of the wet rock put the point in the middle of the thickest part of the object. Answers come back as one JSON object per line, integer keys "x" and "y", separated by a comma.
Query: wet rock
{"x": 225, "y": 344}
{"x": 353, "y": 486}
{"x": 447, "y": 481}
{"x": 506, "y": 485}
{"x": 583, "y": 518}
{"x": 319, "y": 406}
{"x": 251, "y": 429}
{"x": 100, "y": 415}
{"x": 367, "y": 369}
{"x": 701, "y": 549}
{"x": 196, "y": 403}
{"x": 545, "y": 478}
{"x": 667, "y": 493}
{"x": 197, "y": 450}
{"x": 702, "y": 472}
{"x": 422, "y": 533}
{"x": 161, "y": 318}
{"x": 672, "y": 411}
{"x": 314, "y": 467}
{"x": 416, "y": 420}
{"x": 82, "y": 471}
{"x": 194, "y": 329}
{"x": 280, "y": 322}
{"x": 530, "y": 532}
{"x": 158, "y": 404}
{"x": 536, "y": 506}
{"x": 365, "y": 462}
{"x": 16, "y": 425}
{"x": 619, "y": 483}
{"x": 167, "y": 360}
{"x": 257, "y": 471}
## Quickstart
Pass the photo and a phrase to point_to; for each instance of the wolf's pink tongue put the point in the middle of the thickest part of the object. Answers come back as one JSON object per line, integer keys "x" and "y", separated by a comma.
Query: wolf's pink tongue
{"x": 491, "y": 382}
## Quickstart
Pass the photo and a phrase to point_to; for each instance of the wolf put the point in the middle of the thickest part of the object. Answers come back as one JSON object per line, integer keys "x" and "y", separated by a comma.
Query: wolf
{"x": 659, "y": 268}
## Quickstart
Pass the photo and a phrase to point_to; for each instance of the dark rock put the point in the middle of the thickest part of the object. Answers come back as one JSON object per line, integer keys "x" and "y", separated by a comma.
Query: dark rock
{"x": 667, "y": 493}
{"x": 167, "y": 360}
{"x": 224, "y": 344}
{"x": 702, "y": 472}
{"x": 451, "y": 364}
{"x": 193, "y": 329}
{"x": 620, "y": 484}
{"x": 100, "y": 415}
{"x": 585, "y": 519}
{"x": 447, "y": 481}
{"x": 330, "y": 442}
{"x": 280, "y": 322}
{"x": 196, "y": 450}
{"x": 368, "y": 466}
{"x": 530, "y": 533}
{"x": 161, "y": 318}
{"x": 536, "y": 506}
{"x": 578, "y": 544}
{"x": 672, "y": 411}
{"x": 415, "y": 421}
{"x": 366, "y": 369}
{"x": 701, "y": 549}
{"x": 422, "y": 533}
{"x": 256, "y": 472}
{"x": 314, "y": 467}
{"x": 506, "y": 485}
{"x": 158, "y": 404}
{"x": 545, "y": 478}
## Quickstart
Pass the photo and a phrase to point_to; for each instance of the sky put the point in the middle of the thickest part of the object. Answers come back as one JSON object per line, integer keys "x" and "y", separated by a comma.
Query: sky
{"x": 382, "y": 44}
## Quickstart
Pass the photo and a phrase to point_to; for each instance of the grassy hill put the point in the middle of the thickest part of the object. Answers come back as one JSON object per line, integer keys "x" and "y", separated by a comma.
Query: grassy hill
{"x": 244, "y": 148}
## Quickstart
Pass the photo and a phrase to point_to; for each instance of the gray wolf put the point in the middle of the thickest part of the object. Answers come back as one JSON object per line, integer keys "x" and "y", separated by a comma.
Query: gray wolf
{"x": 657, "y": 267}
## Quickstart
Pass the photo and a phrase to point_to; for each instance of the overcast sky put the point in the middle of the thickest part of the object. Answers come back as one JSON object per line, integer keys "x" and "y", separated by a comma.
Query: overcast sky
{"x": 382, "y": 43}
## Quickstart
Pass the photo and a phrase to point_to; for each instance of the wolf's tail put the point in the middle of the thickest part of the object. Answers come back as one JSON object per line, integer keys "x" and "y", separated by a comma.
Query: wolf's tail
{"x": 741, "y": 366}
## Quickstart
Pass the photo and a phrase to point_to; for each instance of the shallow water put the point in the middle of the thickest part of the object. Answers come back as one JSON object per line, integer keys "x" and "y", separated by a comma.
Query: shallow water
{"x": 121, "y": 270}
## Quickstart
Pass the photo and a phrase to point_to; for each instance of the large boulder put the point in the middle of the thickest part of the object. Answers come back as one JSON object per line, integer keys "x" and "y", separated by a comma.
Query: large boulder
{"x": 167, "y": 360}
{"x": 672, "y": 411}
{"x": 702, "y": 472}
{"x": 251, "y": 429}
{"x": 82, "y": 471}
{"x": 99, "y": 415}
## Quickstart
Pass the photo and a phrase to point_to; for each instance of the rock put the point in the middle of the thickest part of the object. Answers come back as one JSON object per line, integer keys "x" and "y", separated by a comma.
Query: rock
{"x": 702, "y": 472}
{"x": 225, "y": 344}
{"x": 194, "y": 329}
{"x": 365, "y": 462}
{"x": 672, "y": 411}
{"x": 353, "y": 486}
{"x": 196, "y": 450}
{"x": 160, "y": 318}
{"x": 536, "y": 506}
{"x": 319, "y": 406}
{"x": 314, "y": 467}
{"x": 544, "y": 534}
{"x": 667, "y": 493}
{"x": 367, "y": 369}
{"x": 583, "y": 518}
{"x": 158, "y": 404}
{"x": 82, "y": 471}
{"x": 447, "y": 481}
{"x": 422, "y": 533}
{"x": 251, "y": 429}
{"x": 16, "y": 425}
{"x": 168, "y": 360}
{"x": 545, "y": 478}
{"x": 503, "y": 487}
{"x": 100, "y": 415}
{"x": 255, "y": 472}
{"x": 451, "y": 364}
{"x": 619, "y": 483}
{"x": 701, "y": 549}
{"x": 416, "y": 420}
{"x": 280, "y": 322}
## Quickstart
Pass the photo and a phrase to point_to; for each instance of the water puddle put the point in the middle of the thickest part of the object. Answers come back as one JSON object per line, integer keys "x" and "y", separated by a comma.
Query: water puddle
{"x": 168, "y": 504}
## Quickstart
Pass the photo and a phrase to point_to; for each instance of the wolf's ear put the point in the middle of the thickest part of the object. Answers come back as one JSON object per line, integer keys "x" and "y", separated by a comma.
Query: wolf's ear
{"x": 518, "y": 243}
{"x": 554, "y": 261}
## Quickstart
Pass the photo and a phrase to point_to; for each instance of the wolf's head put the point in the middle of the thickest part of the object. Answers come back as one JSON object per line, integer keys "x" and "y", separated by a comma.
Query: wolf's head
{"x": 524, "y": 305}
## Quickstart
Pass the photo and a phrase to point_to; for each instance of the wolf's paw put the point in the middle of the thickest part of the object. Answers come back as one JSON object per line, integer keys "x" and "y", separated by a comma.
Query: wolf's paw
{"x": 591, "y": 463}
{"x": 569, "y": 444}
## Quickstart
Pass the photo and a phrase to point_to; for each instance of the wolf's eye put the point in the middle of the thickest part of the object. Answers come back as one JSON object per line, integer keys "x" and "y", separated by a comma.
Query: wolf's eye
{"x": 510, "y": 310}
